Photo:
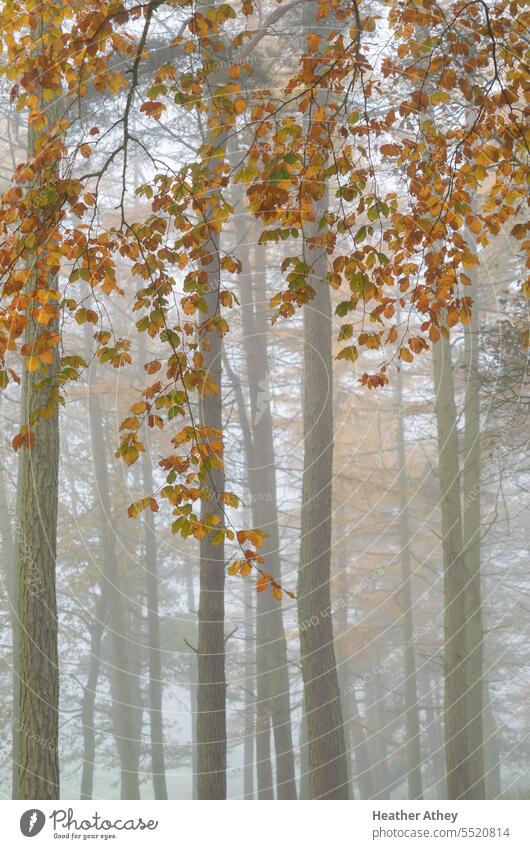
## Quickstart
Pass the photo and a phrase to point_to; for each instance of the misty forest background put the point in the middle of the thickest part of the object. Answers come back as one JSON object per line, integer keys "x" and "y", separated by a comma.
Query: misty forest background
{"x": 340, "y": 689}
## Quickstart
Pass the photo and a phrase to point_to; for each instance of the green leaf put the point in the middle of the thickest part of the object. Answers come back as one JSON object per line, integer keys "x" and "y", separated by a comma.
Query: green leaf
{"x": 350, "y": 353}
{"x": 278, "y": 175}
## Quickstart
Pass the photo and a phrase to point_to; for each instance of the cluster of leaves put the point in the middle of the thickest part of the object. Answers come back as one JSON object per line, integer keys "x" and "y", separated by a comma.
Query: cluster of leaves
{"x": 425, "y": 155}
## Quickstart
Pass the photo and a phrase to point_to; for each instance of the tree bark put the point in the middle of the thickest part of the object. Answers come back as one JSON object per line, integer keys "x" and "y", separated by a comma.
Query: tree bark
{"x": 363, "y": 767}
{"x": 264, "y": 780}
{"x": 412, "y": 718}
{"x": 492, "y": 754}
{"x": 273, "y": 686}
{"x": 328, "y": 768}
{"x": 36, "y": 774}
{"x": 38, "y": 669}
{"x": 250, "y": 698}
{"x": 211, "y": 690}
{"x": 358, "y": 756}
{"x": 88, "y": 701}
{"x": 457, "y": 754}
{"x": 375, "y": 695}
{"x": 192, "y": 672}
{"x": 434, "y": 733}
{"x": 158, "y": 766}
{"x": 471, "y": 538}
{"x": 126, "y": 721}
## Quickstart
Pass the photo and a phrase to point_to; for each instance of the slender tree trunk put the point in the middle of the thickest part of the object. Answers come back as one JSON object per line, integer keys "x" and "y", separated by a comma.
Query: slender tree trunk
{"x": 412, "y": 718}
{"x": 249, "y": 729}
{"x": 192, "y": 674}
{"x": 358, "y": 757}
{"x": 273, "y": 686}
{"x": 158, "y": 766}
{"x": 211, "y": 691}
{"x": 211, "y": 674}
{"x": 267, "y": 518}
{"x": 328, "y": 768}
{"x": 471, "y": 534}
{"x": 347, "y": 710}
{"x": 88, "y": 701}
{"x": 363, "y": 767}
{"x": 492, "y": 754}
{"x": 457, "y": 754}
{"x": 125, "y": 711}
{"x": 434, "y": 734}
{"x": 264, "y": 780}
{"x": 328, "y": 762}
{"x": 377, "y": 743}
{"x": 340, "y": 585}
{"x": 304, "y": 759}
{"x": 436, "y": 759}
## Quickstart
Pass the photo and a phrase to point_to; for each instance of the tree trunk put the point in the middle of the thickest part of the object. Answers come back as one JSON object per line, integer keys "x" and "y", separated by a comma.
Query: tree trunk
{"x": 471, "y": 534}
{"x": 328, "y": 768}
{"x": 342, "y": 648}
{"x": 158, "y": 766}
{"x": 273, "y": 686}
{"x": 211, "y": 690}
{"x": 363, "y": 767}
{"x": 434, "y": 734}
{"x": 88, "y": 701}
{"x": 264, "y": 781}
{"x": 378, "y": 746}
{"x": 492, "y": 754}
{"x": 457, "y": 754}
{"x": 192, "y": 673}
{"x": 353, "y": 730}
{"x": 125, "y": 711}
{"x": 36, "y": 661}
{"x": 250, "y": 698}
{"x": 38, "y": 671}
{"x": 412, "y": 718}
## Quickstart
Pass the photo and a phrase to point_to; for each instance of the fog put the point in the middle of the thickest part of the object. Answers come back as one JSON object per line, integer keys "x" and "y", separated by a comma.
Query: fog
{"x": 372, "y": 643}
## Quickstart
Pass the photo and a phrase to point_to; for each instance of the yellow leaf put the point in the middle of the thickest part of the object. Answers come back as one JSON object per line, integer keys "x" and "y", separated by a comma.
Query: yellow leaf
{"x": 474, "y": 225}
{"x": 313, "y": 41}
{"x": 32, "y": 363}
{"x": 130, "y": 455}
{"x": 262, "y": 584}
{"x": 135, "y": 509}
{"x": 390, "y": 149}
{"x": 406, "y": 355}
